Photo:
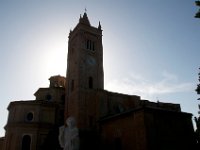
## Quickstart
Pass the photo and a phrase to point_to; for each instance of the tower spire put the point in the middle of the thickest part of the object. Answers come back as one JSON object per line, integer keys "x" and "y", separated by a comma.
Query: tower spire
{"x": 99, "y": 27}
{"x": 84, "y": 19}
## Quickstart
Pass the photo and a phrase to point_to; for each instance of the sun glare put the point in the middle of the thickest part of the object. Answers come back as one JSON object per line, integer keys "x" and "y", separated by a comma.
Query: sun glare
{"x": 56, "y": 62}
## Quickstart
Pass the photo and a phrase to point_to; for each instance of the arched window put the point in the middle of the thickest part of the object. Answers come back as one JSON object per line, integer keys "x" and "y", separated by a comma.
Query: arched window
{"x": 90, "y": 82}
{"x": 26, "y": 142}
{"x": 29, "y": 116}
{"x": 90, "y": 45}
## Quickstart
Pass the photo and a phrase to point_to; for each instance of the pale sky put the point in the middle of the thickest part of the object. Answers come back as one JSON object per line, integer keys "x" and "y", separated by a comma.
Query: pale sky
{"x": 151, "y": 48}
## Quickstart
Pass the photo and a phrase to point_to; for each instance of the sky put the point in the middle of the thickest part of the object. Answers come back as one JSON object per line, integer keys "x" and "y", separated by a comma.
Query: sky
{"x": 151, "y": 47}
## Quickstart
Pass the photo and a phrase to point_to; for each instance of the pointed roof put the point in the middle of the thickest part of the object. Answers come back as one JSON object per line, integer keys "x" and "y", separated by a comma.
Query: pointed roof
{"x": 99, "y": 27}
{"x": 84, "y": 19}
{"x": 84, "y": 23}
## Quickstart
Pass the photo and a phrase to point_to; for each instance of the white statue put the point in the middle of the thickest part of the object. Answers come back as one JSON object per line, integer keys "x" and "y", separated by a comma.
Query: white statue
{"x": 69, "y": 135}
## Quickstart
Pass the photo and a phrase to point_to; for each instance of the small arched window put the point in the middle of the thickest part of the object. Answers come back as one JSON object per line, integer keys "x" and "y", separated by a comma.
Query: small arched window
{"x": 29, "y": 116}
{"x": 26, "y": 142}
{"x": 90, "y": 45}
{"x": 90, "y": 82}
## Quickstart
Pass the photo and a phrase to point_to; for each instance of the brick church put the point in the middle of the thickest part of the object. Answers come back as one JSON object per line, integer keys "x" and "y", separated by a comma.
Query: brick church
{"x": 106, "y": 120}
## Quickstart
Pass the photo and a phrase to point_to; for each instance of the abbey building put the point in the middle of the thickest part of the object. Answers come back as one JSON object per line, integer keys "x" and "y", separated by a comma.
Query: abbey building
{"x": 106, "y": 120}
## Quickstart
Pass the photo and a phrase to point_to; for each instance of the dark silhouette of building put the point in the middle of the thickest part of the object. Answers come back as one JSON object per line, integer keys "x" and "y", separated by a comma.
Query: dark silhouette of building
{"x": 106, "y": 120}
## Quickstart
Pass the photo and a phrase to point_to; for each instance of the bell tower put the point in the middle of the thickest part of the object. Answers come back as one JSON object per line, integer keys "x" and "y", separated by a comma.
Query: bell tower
{"x": 84, "y": 68}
